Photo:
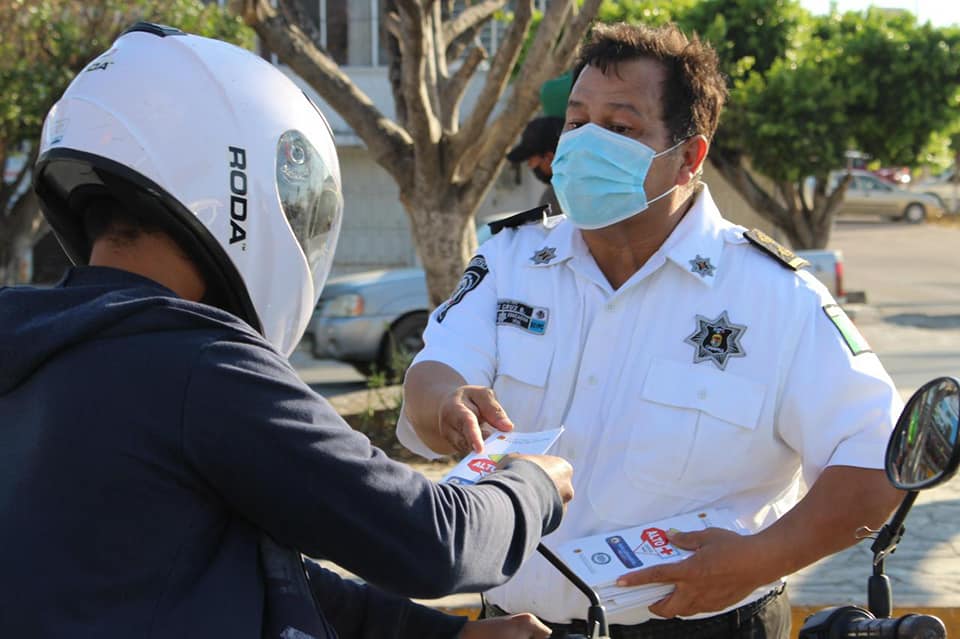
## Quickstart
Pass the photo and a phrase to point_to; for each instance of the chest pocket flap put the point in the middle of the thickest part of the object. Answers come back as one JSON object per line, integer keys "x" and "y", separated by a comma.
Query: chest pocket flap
{"x": 526, "y": 358}
{"x": 699, "y": 387}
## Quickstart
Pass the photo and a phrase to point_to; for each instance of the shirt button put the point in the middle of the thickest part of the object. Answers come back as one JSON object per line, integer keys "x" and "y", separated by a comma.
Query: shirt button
{"x": 592, "y": 380}
{"x": 611, "y": 307}
{"x": 702, "y": 393}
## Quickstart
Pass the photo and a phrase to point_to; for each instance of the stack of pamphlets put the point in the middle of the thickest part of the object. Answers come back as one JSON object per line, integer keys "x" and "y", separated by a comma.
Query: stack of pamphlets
{"x": 600, "y": 559}
{"x": 476, "y": 466}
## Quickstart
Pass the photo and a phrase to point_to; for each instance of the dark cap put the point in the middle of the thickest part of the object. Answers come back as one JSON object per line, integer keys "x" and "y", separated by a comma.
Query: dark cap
{"x": 540, "y": 136}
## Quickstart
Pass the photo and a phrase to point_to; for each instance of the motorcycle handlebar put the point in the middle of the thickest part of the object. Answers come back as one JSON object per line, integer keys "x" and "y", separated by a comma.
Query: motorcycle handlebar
{"x": 906, "y": 627}
{"x": 854, "y": 622}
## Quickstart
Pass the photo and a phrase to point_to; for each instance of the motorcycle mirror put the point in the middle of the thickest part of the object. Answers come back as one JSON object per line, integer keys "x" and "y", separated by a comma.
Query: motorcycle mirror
{"x": 924, "y": 450}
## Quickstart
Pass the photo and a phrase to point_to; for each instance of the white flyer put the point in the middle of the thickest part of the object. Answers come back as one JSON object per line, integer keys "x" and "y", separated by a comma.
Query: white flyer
{"x": 476, "y": 466}
{"x": 600, "y": 559}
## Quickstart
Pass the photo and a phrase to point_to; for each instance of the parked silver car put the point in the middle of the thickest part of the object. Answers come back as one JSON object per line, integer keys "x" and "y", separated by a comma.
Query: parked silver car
{"x": 945, "y": 186}
{"x": 372, "y": 320}
{"x": 868, "y": 195}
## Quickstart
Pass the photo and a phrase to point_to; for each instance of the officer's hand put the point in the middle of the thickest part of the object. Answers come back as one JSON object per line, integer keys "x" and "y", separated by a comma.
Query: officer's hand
{"x": 722, "y": 571}
{"x": 462, "y": 412}
{"x": 521, "y": 626}
{"x": 559, "y": 469}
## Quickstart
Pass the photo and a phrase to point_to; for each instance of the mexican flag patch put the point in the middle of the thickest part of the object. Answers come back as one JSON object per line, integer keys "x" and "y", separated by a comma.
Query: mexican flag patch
{"x": 855, "y": 341}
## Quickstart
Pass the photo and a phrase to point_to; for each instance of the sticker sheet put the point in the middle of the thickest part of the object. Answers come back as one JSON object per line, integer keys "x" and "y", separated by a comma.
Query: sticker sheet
{"x": 600, "y": 559}
{"x": 475, "y": 467}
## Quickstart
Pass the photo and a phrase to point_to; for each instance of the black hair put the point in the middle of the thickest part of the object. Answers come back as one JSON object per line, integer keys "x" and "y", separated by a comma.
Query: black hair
{"x": 694, "y": 90}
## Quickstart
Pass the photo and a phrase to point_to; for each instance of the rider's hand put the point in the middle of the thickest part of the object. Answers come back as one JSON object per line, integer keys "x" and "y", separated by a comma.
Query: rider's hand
{"x": 559, "y": 469}
{"x": 461, "y": 413}
{"x": 521, "y": 626}
{"x": 721, "y": 572}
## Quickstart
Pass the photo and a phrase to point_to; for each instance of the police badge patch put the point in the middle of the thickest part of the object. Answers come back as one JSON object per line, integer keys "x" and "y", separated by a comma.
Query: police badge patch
{"x": 532, "y": 319}
{"x": 472, "y": 276}
{"x": 702, "y": 266}
{"x": 544, "y": 255}
{"x": 716, "y": 340}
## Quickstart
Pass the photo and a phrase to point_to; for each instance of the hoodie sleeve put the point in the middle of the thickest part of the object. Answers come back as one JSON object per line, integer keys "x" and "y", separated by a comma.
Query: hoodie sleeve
{"x": 279, "y": 455}
{"x": 360, "y": 611}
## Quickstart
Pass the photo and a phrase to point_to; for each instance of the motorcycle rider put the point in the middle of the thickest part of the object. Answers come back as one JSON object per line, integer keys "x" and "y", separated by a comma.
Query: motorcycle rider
{"x": 160, "y": 457}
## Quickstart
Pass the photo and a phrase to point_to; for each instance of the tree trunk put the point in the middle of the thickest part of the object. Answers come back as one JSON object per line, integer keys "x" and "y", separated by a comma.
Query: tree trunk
{"x": 445, "y": 241}
{"x": 20, "y": 230}
{"x": 807, "y": 225}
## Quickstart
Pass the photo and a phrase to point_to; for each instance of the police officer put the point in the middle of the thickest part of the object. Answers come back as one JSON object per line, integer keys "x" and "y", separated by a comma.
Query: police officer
{"x": 693, "y": 364}
{"x": 537, "y": 146}
{"x": 163, "y": 465}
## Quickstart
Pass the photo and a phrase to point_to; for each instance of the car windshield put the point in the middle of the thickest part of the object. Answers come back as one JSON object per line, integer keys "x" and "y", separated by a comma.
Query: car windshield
{"x": 946, "y": 175}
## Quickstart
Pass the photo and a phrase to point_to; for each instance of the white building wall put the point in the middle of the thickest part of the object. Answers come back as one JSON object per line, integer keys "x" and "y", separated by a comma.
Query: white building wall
{"x": 376, "y": 231}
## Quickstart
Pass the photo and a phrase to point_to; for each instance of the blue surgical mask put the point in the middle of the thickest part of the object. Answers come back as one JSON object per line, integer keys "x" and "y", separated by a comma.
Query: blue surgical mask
{"x": 598, "y": 176}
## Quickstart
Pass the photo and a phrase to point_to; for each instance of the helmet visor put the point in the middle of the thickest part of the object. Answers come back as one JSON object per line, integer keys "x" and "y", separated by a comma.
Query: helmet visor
{"x": 311, "y": 201}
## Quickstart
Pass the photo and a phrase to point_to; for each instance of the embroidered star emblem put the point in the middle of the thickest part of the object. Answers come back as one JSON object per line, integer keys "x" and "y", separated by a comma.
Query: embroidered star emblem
{"x": 544, "y": 255}
{"x": 702, "y": 266}
{"x": 716, "y": 340}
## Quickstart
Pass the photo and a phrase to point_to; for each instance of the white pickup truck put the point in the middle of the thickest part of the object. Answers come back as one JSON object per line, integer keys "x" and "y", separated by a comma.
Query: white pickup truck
{"x": 827, "y": 266}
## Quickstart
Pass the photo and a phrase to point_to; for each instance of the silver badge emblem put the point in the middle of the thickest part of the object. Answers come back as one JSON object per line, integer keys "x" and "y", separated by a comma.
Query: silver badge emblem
{"x": 716, "y": 340}
{"x": 702, "y": 266}
{"x": 544, "y": 255}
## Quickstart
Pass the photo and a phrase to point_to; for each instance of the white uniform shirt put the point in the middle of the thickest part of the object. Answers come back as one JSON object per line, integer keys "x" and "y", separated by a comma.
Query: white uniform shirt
{"x": 712, "y": 378}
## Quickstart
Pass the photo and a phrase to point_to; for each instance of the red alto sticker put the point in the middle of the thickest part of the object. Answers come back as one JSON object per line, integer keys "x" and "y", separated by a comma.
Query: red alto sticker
{"x": 655, "y": 540}
{"x": 482, "y": 465}
{"x": 655, "y": 537}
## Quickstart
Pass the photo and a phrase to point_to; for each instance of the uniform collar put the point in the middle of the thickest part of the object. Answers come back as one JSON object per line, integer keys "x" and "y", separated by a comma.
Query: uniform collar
{"x": 696, "y": 244}
{"x": 559, "y": 245}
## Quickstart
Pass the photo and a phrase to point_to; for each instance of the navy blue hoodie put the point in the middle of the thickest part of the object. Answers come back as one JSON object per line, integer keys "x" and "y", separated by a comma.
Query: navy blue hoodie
{"x": 147, "y": 442}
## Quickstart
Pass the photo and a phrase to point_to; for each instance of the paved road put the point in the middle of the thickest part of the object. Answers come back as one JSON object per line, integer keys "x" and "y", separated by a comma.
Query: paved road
{"x": 911, "y": 275}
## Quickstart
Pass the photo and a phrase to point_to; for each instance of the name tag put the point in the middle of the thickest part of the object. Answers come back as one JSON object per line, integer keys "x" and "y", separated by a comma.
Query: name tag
{"x": 532, "y": 319}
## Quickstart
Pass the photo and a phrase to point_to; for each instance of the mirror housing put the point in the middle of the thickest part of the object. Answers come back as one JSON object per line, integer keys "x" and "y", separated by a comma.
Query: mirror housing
{"x": 924, "y": 450}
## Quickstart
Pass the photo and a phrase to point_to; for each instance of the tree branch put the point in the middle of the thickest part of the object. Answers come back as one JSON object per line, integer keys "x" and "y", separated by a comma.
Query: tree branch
{"x": 471, "y": 19}
{"x": 803, "y": 199}
{"x": 573, "y": 36}
{"x": 456, "y": 47}
{"x": 437, "y": 59}
{"x": 8, "y": 191}
{"x": 767, "y": 207}
{"x": 833, "y": 200}
{"x": 800, "y": 222}
{"x": 389, "y": 144}
{"x": 391, "y": 21}
{"x": 453, "y": 89}
{"x": 27, "y": 220}
{"x": 395, "y": 61}
{"x": 497, "y": 78}
{"x": 422, "y": 122}
{"x": 544, "y": 61}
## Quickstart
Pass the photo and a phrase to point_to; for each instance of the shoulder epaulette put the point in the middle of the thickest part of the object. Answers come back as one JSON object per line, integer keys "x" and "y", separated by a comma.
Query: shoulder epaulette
{"x": 773, "y": 248}
{"x": 535, "y": 214}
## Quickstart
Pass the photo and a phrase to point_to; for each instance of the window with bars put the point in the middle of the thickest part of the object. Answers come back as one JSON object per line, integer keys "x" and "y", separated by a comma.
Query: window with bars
{"x": 354, "y": 32}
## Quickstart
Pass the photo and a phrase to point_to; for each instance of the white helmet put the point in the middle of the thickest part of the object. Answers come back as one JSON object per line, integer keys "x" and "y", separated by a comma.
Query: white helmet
{"x": 221, "y": 150}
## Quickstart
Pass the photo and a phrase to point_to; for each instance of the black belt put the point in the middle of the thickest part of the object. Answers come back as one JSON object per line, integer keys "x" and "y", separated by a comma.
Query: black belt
{"x": 661, "y": 628}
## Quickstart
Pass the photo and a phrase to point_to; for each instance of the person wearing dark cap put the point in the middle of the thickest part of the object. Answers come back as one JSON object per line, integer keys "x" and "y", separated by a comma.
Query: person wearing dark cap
{"x": 537, "y": 145}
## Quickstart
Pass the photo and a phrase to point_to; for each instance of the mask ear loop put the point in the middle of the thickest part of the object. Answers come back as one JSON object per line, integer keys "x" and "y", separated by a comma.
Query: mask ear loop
{"x": 675, "y": 186}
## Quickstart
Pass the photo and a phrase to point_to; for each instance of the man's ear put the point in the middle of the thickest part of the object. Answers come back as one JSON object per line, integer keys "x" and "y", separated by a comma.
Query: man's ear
{"x": 548, "y": 156}
{"x": 694, "y": 155}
